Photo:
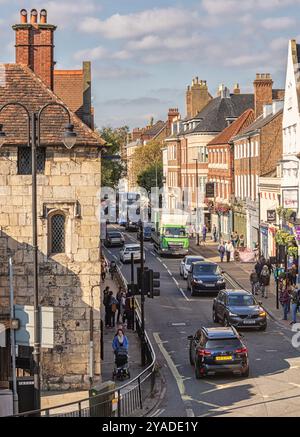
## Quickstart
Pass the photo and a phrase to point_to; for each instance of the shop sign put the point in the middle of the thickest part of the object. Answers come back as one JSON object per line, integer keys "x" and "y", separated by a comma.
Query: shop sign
{"x": 271, "y": 215}
{"x": 210, "y": 190}
{"x": 290, "y": 199}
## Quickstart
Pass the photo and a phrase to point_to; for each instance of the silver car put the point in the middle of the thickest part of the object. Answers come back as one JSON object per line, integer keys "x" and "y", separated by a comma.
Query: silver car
{"x": 186, "y": 263}
{"x": 128, "y": 249}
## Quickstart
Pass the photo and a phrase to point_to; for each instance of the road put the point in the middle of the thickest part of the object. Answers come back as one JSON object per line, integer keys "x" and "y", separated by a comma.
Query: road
{"x": 273, "y": 387}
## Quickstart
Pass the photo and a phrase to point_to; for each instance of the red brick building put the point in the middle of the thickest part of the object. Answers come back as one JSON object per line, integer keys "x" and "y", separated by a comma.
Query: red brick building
{"x": 220, "y": 171}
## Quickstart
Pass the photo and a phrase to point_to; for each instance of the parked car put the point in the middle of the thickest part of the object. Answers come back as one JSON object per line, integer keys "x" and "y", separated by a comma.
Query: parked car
{"x": 114, "y": 238}
{"x": 186, "y": 264}
{"x": 147, "y": 233}
{"x": 218, "y": 350}
{"x": 128, "y": 249}
{"x": 240, "y": 309}
{"x": 205, "y": 276}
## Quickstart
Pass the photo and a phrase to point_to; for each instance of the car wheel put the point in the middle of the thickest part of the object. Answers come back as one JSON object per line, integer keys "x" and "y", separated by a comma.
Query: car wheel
{"x": 192, "y": 362}
{"x": 226, "y": 322}
{"x": 198, "y": 374}
{"x": 215, "y": 317}
{"x": 262, "y": 328}
{"x": 245, "y": 374}
{"x": 188, "y": 286}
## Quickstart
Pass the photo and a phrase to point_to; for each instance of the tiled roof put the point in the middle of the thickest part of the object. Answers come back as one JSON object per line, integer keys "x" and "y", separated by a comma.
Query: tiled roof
{"x": 234, "y": 128}
{"x": 22, "y": 85}
{"x": 214, "y": 114}
{"x": 155, "y": 129}
{"x": 68, "y": 86}
{"x": 258, "y": 124}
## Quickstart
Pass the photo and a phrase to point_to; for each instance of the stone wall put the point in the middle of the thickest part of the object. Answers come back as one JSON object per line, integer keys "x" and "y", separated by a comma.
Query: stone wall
{"x": 71, "y": 184}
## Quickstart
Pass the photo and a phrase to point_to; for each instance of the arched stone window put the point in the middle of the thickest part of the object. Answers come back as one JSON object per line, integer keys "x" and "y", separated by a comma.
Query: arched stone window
{"x": 57, "y": 233}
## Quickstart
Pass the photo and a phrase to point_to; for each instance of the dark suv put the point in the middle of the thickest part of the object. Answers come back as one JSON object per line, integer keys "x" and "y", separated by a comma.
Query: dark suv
{"x": 205, "y": 276}
{"x": 218, "y": 350}
{"x": 240, "y": 309}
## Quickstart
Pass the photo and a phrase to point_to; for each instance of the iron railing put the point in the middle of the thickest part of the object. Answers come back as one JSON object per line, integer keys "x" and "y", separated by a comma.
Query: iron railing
{"x": 123, "y": 401}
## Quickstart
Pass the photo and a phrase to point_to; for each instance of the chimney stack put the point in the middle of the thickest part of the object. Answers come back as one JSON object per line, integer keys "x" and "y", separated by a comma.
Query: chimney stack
{"x": 173, "y": 115}
{"x": 197, "y": 96}
{"x": 263, "y": 92}
{"x": 35, "y": 45}
{"x": 33, "y": 16}
{"x": 236, "y": 89}
{"x": 23, "y": 15}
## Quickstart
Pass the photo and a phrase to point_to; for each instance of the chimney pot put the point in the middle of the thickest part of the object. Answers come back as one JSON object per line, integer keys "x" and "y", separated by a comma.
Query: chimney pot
{"x": 43, "y": 16}
{"x": 33, "y": 16}
{"x": 23, "y": 14}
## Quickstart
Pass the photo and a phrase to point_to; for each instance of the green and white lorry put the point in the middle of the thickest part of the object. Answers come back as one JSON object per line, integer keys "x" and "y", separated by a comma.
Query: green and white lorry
{"x": 171, "y": 236}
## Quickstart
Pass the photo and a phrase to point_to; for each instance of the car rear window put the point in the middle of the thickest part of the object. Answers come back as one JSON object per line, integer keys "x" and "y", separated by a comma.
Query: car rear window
{"x": 225, "y": 343}
{"x": 189, "y": 261}
{"x": 132, "y": 249}
{"x": 114, "y": 234}
{"x": 207, "y": 269}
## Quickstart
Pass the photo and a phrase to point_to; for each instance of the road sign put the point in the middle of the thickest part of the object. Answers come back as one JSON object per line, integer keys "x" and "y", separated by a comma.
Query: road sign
{"x": 25, "y": 335}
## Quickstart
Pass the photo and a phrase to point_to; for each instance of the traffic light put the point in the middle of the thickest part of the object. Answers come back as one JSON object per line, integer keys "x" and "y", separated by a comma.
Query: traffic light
{"x": 133, "y": 288}
{"x": 139, "y": 278}
{"x": 153, "y": 284}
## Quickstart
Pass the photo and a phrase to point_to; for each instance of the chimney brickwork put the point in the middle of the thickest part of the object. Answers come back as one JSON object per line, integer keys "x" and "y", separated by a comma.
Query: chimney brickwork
{"x": 263, "y": 88}
{"x": 197, "y": 97}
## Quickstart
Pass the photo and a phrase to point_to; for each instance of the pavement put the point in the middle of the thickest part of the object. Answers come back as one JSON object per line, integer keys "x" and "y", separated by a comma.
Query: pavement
{"x": 240, "y": 273}
{"x": 271, "y": 390}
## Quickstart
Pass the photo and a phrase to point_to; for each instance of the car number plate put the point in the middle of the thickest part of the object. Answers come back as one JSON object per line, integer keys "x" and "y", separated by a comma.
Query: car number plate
{"x": 249, "y": 322}
{"x": 224, "y": 358}
{"x": 210, "y": 285}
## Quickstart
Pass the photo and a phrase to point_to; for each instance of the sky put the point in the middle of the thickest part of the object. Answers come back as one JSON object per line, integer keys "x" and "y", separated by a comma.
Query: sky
{"x": 145, "y": 53}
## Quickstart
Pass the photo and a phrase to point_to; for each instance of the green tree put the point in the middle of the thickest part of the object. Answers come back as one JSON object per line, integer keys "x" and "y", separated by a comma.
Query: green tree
{"x": 147, "y": 178}
{"x": 113, "y": 169}
{"x": 146, "y": 156}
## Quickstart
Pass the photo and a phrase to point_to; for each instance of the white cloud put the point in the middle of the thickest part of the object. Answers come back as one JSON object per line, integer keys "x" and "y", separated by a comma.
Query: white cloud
{"x": 278, "y": 23}
{"x": 141, "y": 23}
{"x": 233, "y": 7}
{"x": 92, "y": 54}
{"x": 110, "y": 72}
{"x": 279, "y": 44}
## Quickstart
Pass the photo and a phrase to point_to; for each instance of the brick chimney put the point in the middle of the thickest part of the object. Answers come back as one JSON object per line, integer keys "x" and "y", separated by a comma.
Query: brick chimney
{"x": 34, "y": 44}
{"x": 87, "y": 95}
{"x": 236, "y": 89}
{"x": 173, "y": 115}
{"x": 197, "y": 96}
{"x": 263, "y": 86}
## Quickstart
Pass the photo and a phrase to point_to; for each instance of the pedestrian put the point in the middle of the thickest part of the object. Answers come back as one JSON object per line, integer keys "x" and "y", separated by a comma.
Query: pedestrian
{"x": 264, "y": 281}
{"x": 113, "y": 303}
{"x": 106, "y": 304}
{"x": 254, "y": 282}
{"x": 241, "y": 242}
{"x": 256, "y": 252}
{"x": 229, "y": 249}
{"x": 129, "y": 310}
{"x": 295, "y": 300}
{"x": 214, "y": 233}
{"x": 119, "y": 296}
{"x": 204, "y": 233}
{"x": 103, "y": 269}
{"x": 221, "y": 250}
{"x": 285, "y": 299}
{"x": 293, "y": 274}
{"x": 112, "y": 269}
{"x": 120, "y": 340}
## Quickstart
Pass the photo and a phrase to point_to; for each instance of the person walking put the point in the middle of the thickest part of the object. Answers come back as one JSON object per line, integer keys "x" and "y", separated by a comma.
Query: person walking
{"x": 293, "y": 274}
{"x": 113, "y": 303}
{"x": 229, "y": 249}
{"x": 214, "y": 233}
{"x": 264, "y": 281}
{"x": 241, "y": 242}
{"x": 285, "y": 299}
{"x": 103, "y": 269}
{"x": 106, "y": 304}
{"x": 295, "y": 300}
{"x": 254, "y": 282}
{"x": 221, "y": 250}
{"x": 204, "y": 233}
{"x": 121, "y": 304}
{"x": 129, "y": 310}
{"x": 112, "y": 269}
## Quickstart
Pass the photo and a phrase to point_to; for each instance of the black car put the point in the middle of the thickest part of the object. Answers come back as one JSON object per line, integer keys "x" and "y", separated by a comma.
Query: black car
{"x": 240, "y": 309}
{"x": 114, "y": 238}
{"x": 205, "y": 276}
{"x": 218, "y": 350}
{"x": 131, "y": 226}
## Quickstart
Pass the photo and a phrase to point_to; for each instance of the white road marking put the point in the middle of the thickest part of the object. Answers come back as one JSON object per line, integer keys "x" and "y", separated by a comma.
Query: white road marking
{"x": 178, "y": 378}
{"x": 190, "y": 412}
{"x": 114, "y": 256}
{"x": 165, "y": 266}
{"x": 152, "y": 253}
{"x": 184, "y": 295}
{"x": 175, "y": 280}
{"x": 179, "y": 324}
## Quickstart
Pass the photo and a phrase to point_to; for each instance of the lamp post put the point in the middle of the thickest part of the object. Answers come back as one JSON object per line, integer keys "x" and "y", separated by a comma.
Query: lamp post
{"x": 33, "y": 139}
{"x": 197, "y": 202}
{"x": 143, "y": 349}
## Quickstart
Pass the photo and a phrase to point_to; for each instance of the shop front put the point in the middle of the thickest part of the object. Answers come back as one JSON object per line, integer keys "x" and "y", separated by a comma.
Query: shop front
{"x": 240, "y": 221}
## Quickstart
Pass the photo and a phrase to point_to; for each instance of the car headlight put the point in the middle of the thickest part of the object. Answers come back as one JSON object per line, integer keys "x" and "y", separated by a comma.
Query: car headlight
{"x": 233, "y": 314}
{"x": 262, "y": 314}
{"x": 198, "y": 281}
{"x": 221, "y": 281}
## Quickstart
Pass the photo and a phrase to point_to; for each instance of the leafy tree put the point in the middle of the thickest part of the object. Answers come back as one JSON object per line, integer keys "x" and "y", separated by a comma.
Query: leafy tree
{"x": 113, "y": 169}
{"x": 146, "y": 156}
{"x": 147, "y": 178}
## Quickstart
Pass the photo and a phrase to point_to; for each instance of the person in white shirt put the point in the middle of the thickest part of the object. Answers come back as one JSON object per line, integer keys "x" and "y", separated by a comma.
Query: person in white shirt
{"x": 229, "y": 249}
